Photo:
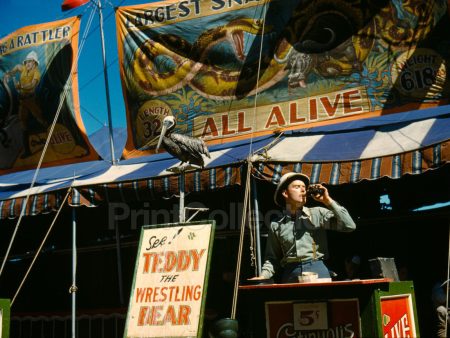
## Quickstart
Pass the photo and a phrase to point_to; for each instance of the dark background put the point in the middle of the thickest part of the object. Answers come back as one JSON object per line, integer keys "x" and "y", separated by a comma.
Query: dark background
{"x": 416, "y": 239}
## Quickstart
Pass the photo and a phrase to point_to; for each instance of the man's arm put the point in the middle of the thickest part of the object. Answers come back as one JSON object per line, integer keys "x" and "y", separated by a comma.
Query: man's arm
{"x": 273, "y": 256}
{"x": 338, "y": 218}
{"x": 335, "y": 217}
{"x": 13, "y": 71}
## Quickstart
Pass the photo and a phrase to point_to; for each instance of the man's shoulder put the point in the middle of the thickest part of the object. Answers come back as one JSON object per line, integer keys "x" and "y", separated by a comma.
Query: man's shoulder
{"x": 277, "y": 220}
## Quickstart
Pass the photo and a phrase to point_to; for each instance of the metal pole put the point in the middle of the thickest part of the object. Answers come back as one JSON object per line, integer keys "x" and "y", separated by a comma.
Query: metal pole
{"x": 257, "y": 233}
{"x": 105, "y": 73}
{"x": 73, "y": 288}
{"x": 182, "y": 213}
{"x": 119, "y": 263}
{"x": 447, "y": 280}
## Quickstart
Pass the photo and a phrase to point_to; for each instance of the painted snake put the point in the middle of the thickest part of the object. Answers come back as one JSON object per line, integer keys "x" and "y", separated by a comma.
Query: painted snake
{"x": 296, "y": 52}
{"x": 190, "y": 63}
{"x": 330, "y": 37}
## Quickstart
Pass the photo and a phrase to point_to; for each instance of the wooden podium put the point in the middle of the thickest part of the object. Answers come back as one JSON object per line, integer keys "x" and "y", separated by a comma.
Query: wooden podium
{"x": 356, "y": 308}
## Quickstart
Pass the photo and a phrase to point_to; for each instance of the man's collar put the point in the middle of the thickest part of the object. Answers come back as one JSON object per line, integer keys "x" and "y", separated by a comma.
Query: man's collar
{"x": 305, "y": 211}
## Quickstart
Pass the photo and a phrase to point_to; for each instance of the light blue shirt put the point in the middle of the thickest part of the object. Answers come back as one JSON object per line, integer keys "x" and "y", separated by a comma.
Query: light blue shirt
{"x": 303, "y": 237}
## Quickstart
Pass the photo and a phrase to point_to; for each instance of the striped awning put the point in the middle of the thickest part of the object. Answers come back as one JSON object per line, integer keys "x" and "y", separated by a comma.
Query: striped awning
{"x": 37, "y": 204}
{"x": 145, "y": 178}
{"x": 153, "y": 188}
{"x": 390, "y": 145}
{"x": 386, "y": 146}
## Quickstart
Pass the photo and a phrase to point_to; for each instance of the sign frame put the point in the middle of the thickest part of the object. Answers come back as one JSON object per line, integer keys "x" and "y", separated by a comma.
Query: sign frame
{"x": 5, "y": 314}
{"x": 372, "y": 317}
{"x": 408, "y": 320}
{"x": 152, "y": 265}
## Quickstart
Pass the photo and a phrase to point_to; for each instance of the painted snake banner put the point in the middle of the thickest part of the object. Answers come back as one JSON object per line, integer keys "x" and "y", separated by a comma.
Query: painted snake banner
{"x": 36, "y": 67}
{"x": 234, "y": 69}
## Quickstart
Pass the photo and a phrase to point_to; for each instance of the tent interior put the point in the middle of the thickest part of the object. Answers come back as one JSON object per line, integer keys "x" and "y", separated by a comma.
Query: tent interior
{"x": 399, "y": 218}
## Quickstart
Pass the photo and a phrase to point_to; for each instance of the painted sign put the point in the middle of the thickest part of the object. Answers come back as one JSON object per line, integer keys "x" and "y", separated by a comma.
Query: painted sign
{"x": 310, "y": 316}
{"x": 170, "y": 281}
{"x": 337, "y": 318}
{"x": 397, "y": 316}
{"x": 38, "y": 79}
{"x": 230, "y": 70}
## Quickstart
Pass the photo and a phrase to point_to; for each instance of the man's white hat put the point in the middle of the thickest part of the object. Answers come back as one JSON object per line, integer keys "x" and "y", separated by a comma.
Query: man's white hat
{"x": 285, "y": 180}
{"x": 31, "y": 56}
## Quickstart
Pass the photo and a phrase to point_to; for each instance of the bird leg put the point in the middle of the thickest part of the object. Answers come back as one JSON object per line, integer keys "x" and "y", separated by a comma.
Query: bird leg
{"x": 186, "y": 166}
{"x": 183, "y": 166}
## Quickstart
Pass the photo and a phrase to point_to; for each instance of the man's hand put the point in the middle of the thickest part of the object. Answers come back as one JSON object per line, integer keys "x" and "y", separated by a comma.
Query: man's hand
{"x": 257, "y": 278}
{"x": 324, "y": 197}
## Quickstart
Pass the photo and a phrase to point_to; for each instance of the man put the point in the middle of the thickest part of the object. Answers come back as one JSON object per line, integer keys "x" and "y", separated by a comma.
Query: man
{"x": 297, "y": 241}
{"x": 441, "y": 312}
{"x": 29, "y": 79}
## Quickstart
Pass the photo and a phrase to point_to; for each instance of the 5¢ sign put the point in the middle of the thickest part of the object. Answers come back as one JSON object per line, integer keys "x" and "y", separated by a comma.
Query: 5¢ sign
{"x": 310, "y": 316}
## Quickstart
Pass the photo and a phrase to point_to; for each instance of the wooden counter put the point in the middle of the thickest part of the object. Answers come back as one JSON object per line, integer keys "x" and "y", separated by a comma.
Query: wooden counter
{"x": 354, "y": 308}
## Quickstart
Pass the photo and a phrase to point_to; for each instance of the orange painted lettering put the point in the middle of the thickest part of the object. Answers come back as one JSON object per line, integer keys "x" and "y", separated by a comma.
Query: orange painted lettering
{"x": 350, "y": 96}
{"x": 154, "y": 315}
{"x": 148, "y": 258}
{"x": 196, "y": 258}
{"x": 139, "y": 294}
{"x": 183, "y": 315}
{"x": 184, "y": 260}
{"x": 225, "y": 130}
{"x": 142, "y": 315}
{"x": 171, "y": 261}
{"x": 241, "y": 121}
{"x": 330, "y": 109}
{"x": 170, "y": 316}
{"x": 293, "y": 114}
{"x": 210, "y": 128}
{"x": 275, "y": 118}
{"x": 148, "y": 295}
{"x": 313, "y": 109}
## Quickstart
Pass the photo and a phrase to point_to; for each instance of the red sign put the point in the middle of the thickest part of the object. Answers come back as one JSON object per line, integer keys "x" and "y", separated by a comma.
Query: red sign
{"x": 397, "y": 317}
{"x": 342, "y": 319}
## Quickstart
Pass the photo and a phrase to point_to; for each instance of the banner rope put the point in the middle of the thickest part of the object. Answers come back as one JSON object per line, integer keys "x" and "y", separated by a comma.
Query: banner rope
{"x": 40, "y": 246}
{"x": 241, "y": 240}
{"x": 257, "y": 78}
{"x": 252, "y": 223}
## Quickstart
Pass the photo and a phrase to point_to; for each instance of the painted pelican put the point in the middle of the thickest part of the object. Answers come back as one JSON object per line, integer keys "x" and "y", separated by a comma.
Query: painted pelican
{"x": 187, "y": 149}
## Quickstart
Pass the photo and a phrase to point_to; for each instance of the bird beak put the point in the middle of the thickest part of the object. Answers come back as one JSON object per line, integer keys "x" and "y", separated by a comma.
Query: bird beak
{"x": 163, "y": 132}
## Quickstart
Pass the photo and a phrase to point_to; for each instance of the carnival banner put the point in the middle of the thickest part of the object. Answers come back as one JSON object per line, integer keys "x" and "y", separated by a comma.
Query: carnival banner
{"x": 170, "y": 281}
{"x": 36, "y": 67}
{"x": 233, "y": 69}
